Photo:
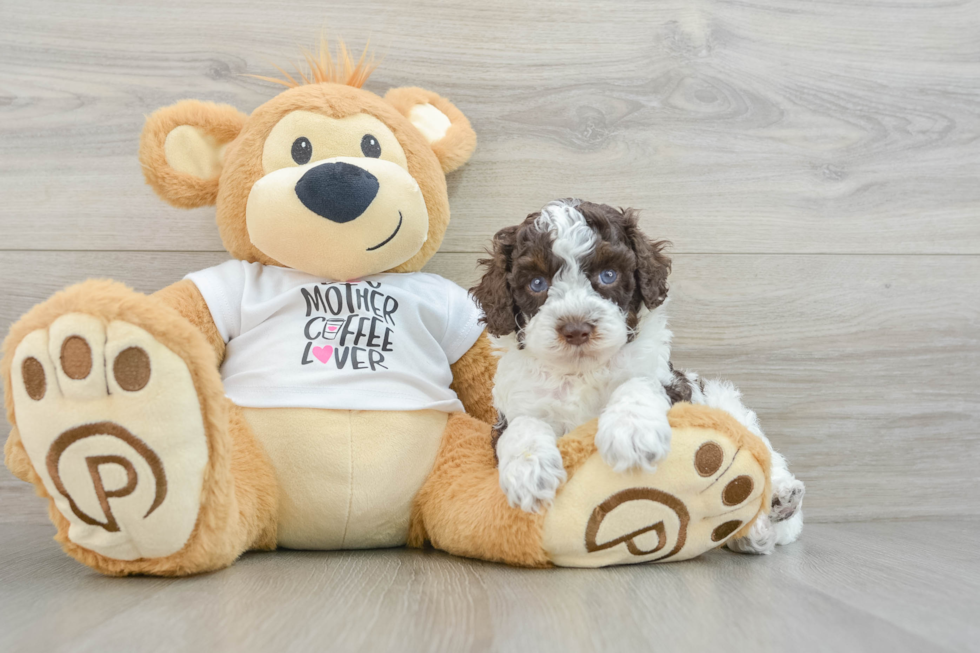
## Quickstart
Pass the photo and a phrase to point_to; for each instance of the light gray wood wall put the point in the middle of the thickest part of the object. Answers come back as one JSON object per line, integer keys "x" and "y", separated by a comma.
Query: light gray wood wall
{"x": 816, "y": 164}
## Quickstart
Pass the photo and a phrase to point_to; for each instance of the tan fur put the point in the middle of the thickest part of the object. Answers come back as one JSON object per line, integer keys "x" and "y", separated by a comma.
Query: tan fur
{"x": 239, "y": 496}
{"x": 16, "y": 459}
{"x": 576, "y": 447}
{"x": 256, "y": 487}
{"x": 455, "y": 148}
{"x": 461, "y": 509}
{"x": 473, "y": 380}
{"x": 234, "y": 503}
{"x": 183, "y": 190}
{"x": 243, "y": 163}
{"x": 692, "y": 506}
{"x": 245, "y": 137}
{"x": 685, "y": 415}
{"x": 186, "y": 299}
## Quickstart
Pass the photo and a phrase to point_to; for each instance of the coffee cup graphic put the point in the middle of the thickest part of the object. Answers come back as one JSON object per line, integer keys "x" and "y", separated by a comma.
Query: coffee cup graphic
{"x": 332, "y": 328}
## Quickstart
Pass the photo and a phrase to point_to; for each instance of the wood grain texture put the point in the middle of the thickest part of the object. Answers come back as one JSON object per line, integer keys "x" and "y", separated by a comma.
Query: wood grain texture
{"x": 863, "y": 369}
{"x": 773, "y": 126}
{"x": 895, "y": 586}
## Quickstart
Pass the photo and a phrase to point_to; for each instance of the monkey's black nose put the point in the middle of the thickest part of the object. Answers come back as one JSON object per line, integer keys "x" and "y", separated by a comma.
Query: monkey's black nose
{"x": 339, "y": 192}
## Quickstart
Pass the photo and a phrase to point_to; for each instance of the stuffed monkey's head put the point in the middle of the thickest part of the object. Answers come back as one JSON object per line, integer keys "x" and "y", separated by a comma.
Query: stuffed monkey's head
{"x": 324, "y": 178}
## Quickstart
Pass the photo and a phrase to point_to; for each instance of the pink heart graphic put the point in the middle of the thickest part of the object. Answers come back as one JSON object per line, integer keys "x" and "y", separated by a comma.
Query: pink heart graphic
{"x": 323, "y": 354}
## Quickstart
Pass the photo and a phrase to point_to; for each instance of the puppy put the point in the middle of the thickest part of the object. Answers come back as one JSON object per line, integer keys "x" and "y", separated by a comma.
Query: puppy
{"x": 574, "y": 299}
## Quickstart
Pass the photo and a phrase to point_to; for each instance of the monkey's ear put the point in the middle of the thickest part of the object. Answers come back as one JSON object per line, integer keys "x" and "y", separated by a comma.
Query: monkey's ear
{"x": 493, "y": 292}
{"x": 182, "y": 150}
{"x": 440, "y": 122}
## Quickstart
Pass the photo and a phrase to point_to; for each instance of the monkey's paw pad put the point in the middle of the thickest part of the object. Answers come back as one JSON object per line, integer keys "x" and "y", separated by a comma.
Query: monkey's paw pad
{"x": 112, "y": 424}
{"x": 705, "y": 491}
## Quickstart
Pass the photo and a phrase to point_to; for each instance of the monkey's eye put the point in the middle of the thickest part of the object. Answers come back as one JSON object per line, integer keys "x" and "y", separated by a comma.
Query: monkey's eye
{"x": 302, "y": 150}
{"x": 370, "y": 146}
{"x": 607, "y": 277}
{"x": 538, "y": 284}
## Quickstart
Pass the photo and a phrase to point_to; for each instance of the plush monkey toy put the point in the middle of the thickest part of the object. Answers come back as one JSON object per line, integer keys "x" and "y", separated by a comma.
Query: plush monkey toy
{"x": 318, "y": 391}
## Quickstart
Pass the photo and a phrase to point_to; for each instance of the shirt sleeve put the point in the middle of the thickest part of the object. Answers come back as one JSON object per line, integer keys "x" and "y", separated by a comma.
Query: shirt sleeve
{"x": 462, "y": 322}
{"x": 223, "y": 288}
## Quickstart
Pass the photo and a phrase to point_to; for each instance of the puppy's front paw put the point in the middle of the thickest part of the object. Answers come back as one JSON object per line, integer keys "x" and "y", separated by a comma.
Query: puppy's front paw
{"x": 531, "y": 471}
{"x": 633, "y": 437}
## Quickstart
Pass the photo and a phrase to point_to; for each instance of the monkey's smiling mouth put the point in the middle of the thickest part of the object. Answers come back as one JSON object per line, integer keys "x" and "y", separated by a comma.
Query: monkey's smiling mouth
{"x": 388, "y": 239}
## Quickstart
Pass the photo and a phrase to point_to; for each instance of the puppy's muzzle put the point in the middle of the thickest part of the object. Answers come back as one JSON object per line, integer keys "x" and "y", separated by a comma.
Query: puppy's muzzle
{"x": 339, "y": 192}
{"x": 576, "y": 333}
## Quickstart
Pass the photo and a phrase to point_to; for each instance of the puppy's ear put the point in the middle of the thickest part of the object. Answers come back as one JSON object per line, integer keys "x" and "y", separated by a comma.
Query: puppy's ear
{"x": 182, "y": 150}
{"x": 493, "y": 292}
{"x": 652, "y": 265}
{"x": 445, "y": 127}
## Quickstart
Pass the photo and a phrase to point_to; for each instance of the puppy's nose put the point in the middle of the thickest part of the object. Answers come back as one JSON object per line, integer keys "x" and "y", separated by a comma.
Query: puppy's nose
{"x": 339, "y": 192}
{"x": 576, "y": 333}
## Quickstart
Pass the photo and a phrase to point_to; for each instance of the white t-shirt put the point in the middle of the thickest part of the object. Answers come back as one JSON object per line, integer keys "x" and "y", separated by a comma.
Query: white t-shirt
{"x": 384, "y": 342}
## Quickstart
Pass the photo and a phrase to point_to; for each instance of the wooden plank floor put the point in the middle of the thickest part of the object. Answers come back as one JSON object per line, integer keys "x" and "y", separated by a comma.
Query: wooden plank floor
{"x": 884, "y": 586}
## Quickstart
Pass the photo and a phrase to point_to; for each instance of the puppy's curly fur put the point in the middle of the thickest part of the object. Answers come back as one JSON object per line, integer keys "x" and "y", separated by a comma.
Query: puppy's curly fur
{"x": 574, "y": 298}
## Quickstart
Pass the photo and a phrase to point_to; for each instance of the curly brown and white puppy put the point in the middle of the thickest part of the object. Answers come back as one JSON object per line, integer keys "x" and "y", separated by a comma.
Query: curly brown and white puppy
{"x": 574, "y": 299}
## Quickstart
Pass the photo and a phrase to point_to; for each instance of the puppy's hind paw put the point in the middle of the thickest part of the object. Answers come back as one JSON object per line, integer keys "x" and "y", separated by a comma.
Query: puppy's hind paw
{"x": 787, "y": 498}
{"x": 760, "y": 540}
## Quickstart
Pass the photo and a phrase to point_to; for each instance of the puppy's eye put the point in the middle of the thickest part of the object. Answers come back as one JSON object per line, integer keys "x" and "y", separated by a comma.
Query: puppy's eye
{"x": 302, "y": 150}
{"x": 607, "y": 277}
{"x": 538, "y": 284}
{"x": 370, "y": 146}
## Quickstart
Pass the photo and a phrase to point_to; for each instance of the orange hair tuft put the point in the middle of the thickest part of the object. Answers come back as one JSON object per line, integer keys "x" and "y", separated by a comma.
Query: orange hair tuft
{"x": 323, "y": 67}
